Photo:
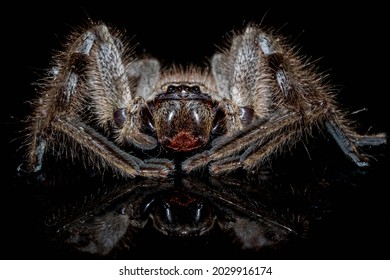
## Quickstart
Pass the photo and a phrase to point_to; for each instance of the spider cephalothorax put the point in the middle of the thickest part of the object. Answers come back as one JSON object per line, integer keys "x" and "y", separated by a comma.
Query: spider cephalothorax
{"x": 259, "y": 98}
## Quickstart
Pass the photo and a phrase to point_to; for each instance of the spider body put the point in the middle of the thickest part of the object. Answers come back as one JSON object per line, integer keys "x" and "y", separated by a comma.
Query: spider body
{"x": 103, "y": 103}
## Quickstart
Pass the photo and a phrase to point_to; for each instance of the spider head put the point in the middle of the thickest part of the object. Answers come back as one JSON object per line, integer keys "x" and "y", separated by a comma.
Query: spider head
{"x": 183, "y": 116}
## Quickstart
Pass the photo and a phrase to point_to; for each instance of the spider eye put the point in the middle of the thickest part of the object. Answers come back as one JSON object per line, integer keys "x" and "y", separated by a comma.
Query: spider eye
{"x": 195, "y": 89}
{"x": 171, "y": 89}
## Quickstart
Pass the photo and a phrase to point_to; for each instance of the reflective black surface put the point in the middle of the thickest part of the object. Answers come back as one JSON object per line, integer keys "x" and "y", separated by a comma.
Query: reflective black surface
{"x": 299, "y": 209}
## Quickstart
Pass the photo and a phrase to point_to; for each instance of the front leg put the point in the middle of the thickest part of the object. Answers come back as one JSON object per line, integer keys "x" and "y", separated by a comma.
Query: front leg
{"x": 249, "y": 147}
{"x": 89, "y": 85}
{"x": 59, "y": 96}
{"x": 288, "y": 98}
{"x": 349, "y": 141}
{"x": 100, "y": 149}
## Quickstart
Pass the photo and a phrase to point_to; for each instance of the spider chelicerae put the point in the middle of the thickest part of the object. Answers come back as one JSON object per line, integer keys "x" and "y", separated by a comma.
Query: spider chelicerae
{"x": 126, "y": 112}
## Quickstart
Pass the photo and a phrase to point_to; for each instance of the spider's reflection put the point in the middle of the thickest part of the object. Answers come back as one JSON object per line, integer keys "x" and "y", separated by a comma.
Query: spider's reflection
{"x": 152, "y": 219}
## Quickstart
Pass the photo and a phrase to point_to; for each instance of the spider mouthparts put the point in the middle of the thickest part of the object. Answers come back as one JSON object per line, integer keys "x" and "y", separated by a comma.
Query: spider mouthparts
{"x": 183, "y": 142}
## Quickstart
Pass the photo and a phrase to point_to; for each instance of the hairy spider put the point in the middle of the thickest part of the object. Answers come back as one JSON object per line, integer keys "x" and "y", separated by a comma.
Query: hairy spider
{"x": 121, "y": 111}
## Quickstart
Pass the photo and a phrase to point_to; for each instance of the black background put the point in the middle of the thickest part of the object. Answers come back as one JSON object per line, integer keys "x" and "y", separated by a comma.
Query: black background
{"x": 349, "y": 40}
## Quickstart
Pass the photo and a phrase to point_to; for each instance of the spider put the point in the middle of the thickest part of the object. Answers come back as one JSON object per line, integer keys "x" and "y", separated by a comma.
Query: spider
{"x": 125, "y": 112}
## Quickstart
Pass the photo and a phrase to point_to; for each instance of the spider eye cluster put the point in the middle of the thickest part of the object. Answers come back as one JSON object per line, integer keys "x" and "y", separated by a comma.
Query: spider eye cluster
{"x": 183, "y": 88}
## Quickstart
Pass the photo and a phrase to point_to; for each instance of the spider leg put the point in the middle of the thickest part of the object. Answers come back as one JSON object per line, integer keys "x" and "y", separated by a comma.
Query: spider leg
{"x": 349, "y": 143}
{"x": 224, "y": 149}
{"x": 259, "y": 151}
{"x": 286, "y": 133}
{"x": 370, "y": 140}
{"x": 288, "y": 98}
{"x": 46, "y": 107}
{"x": 247, "y": 149}
{"x": 98, "y": 148}
{"x": 90, "y": 76}
{"x": 147, "y": 71}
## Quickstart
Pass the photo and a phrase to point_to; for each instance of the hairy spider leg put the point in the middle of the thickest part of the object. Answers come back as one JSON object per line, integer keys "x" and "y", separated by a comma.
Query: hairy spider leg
{"x": 300, "y": 101}
{"x": 58, "y": 115}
